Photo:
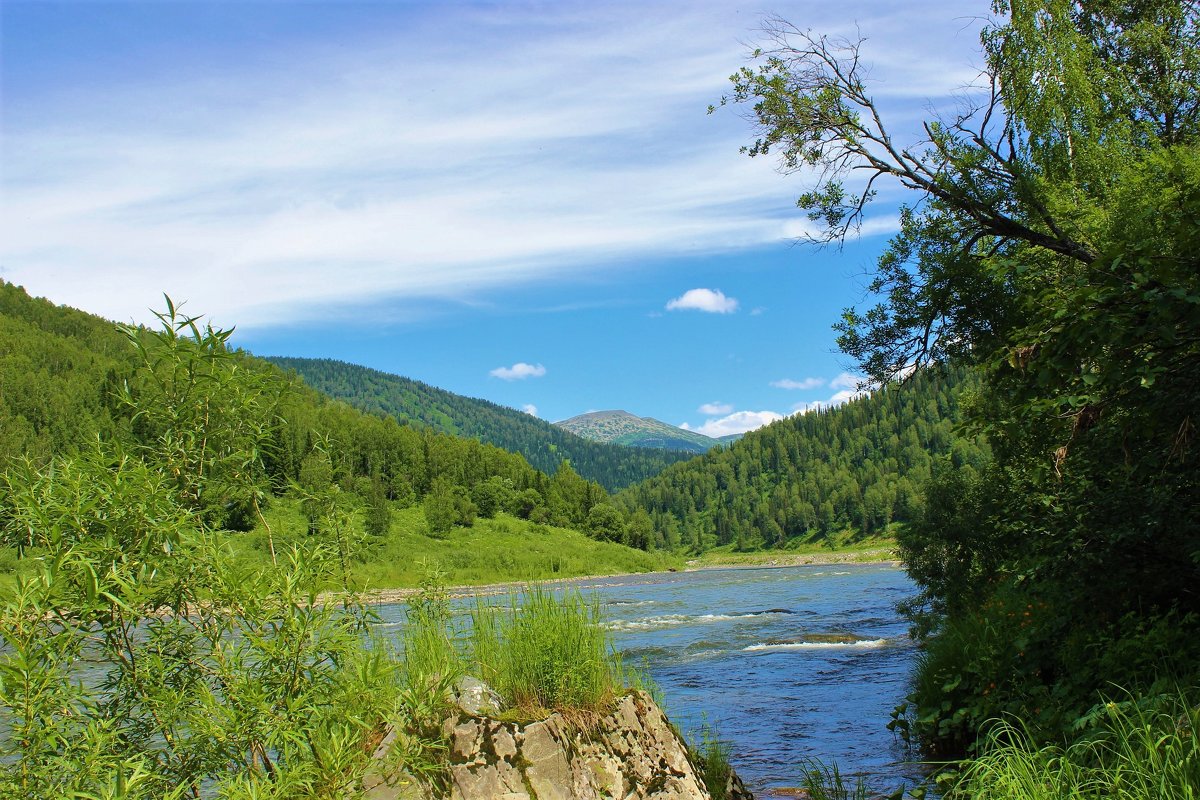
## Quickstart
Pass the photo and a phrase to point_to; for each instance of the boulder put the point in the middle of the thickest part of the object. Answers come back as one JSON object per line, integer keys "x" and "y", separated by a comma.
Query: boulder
{"x": 476, "y": 698}
{"x": 631, "y": 753}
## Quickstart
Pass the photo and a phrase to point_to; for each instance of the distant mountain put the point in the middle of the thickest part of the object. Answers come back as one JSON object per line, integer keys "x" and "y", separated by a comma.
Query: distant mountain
{"x": 544, "y": 446}
{"x": 621, "y": 427}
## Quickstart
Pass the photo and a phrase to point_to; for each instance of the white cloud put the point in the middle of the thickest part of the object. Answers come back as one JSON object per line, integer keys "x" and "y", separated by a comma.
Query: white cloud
{"x": 709, "y": 300}
{"x": 518, "y": 372}
{"x": 804, "y": 384}
{"x": 715, "y": 409}
{"x": 847, "y": 381}
{"x": 530, "y": 409}
{"x": 871, "y": 226}
{"x": 737, "y": 422}
{"x": 416, "y": 160}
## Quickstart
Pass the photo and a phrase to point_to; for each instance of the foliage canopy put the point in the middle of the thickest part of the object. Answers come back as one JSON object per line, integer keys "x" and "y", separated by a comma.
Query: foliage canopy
{"x": 1052, "y": 244}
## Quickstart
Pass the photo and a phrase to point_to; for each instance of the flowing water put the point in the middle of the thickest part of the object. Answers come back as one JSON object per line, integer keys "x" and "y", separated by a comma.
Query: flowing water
{"x": 786, "y": 663}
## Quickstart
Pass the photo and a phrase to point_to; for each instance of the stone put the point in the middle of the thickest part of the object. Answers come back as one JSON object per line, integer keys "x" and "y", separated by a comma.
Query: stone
{"x": 476, "y": 698}
{"x": 465, "y": 740}
{"x": 547, "y": 769}
{"x": 397, "y": 787}
{"x": 630, "y": 753}
{"x": 504, "y": 744}
{"x": 495, "y": 782}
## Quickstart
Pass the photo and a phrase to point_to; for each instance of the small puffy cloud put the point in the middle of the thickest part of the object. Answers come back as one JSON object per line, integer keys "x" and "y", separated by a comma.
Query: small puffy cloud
{"x": 804, "y": 384}
{"x": 518, "y": 372}
{"x": 737, "y": 422}
{"x": 530, "y": 409}
{"x": 712, "y": 301}
{"x": 847, "y": 381}
{"x": 715, "y": 409}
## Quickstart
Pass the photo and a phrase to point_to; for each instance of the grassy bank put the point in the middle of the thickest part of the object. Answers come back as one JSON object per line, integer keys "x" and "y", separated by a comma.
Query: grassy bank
{"x": 503, "y": 549}
{"x": 497, "y": 550}
{"x": 1131, "y": 749}
{"x": 500, "y": 549}
{"x": 839, "y": 549}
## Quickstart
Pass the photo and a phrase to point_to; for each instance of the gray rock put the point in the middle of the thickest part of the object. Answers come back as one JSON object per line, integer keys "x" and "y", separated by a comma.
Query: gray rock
{"x": 547, "y": 769}
{"x": 476, "y": 698}
{"x": 631, "y": 753}
{"x": 501, "y": 781}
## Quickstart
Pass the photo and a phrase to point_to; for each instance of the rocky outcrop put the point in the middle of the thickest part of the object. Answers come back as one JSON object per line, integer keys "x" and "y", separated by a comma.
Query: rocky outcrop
{"x": 631, "y": 753}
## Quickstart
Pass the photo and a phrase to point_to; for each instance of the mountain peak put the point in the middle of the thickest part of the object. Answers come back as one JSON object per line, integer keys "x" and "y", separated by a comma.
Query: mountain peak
{"x": 621, "y": 427}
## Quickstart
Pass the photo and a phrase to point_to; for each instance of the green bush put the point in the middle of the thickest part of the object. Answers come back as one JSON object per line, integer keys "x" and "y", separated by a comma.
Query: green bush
{"x": 1021, "y": 657}
{"x": 202, "y": 673}
{"x": 979, "y": 667}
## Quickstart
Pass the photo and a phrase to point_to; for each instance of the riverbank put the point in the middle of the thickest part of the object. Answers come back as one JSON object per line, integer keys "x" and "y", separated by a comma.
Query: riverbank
{"x": 882, "y": 553}
{"x": 713, "y": 560}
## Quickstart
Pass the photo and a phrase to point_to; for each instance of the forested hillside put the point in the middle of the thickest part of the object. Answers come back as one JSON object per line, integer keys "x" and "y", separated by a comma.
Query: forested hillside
{"x": 543, "y": 445}
{"x": 68, "y": 381}
{"x": 59, "y": 369}
{"x": 860, "y": 466}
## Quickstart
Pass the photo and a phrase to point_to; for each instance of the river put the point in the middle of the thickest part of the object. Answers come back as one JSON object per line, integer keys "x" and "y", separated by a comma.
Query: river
{"x": 786, "y": 663}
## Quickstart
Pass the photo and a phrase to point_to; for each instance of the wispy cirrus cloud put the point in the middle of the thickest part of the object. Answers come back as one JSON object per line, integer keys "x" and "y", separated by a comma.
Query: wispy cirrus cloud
{"x": 712, "y": 301}
{"x": 429, "y": 159}
{"x": 804, "y": 384}
{"x": 518, "y": 372}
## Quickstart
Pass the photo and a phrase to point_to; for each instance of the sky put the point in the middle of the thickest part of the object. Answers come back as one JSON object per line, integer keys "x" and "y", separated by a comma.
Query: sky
{"x": 526, "y": 202}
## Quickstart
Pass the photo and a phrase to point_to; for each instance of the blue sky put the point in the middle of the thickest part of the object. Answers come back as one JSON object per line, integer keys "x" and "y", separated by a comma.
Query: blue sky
{"x": 525, "y": 202}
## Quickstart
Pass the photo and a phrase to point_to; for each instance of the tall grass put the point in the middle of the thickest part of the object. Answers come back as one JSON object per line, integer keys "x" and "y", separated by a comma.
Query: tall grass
{"x": 711, "y": 754}
{"x": 546, "y": 653}
{"x": 1146, "y": 749}
{"x": 432, "y": 662}
{"x": 824, "y": 781}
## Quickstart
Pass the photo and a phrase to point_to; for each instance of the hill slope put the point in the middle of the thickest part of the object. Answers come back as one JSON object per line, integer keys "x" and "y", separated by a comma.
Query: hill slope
{"x": 860, "y": 466}
{"x": 61, "y": 376}
{"x": 621, "y": 427}
{"x": 543, "y": 445}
